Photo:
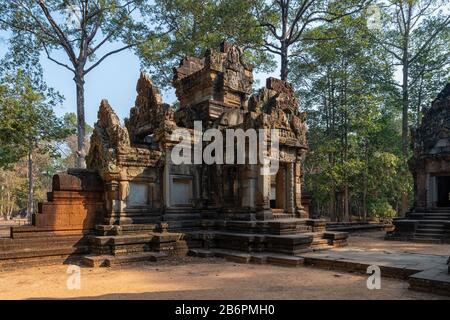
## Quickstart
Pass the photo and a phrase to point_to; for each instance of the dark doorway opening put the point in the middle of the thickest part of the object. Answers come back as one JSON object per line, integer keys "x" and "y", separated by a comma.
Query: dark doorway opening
{"x": 443, "y": 191}
{"x": 278, "y": 190}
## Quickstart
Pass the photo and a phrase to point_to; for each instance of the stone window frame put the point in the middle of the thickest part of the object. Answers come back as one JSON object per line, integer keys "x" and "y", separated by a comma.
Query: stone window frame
{"x": 191, "y": 200}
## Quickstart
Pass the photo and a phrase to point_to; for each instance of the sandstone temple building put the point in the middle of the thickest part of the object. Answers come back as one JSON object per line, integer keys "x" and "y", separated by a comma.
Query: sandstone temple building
{"x": 429, "y": 220}
{"x": 133, "y": 203}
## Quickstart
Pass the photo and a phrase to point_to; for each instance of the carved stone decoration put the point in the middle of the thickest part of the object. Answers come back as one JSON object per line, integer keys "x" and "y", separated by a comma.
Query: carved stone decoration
{"x": 149, "y": 116}
{"x": 278, "y": 101}
{"x": 108, "y": 139}
{"x": 221, "y": 80}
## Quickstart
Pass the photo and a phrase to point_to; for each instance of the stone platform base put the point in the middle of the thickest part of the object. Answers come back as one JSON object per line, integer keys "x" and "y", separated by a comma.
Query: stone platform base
{"x": 94, "y": 261}
{"x": 289, "y": 236}
{"x": 108, "y": 245}
{"x": 424, "y": 272}
{"x": 358, "y": 226}
{"x": 433, "y": 280}
{"x": 31, "y": 246}
{"x": 424, "y": 226}
{"x": 257, "y": 258}
{"x": 122, "y": 244}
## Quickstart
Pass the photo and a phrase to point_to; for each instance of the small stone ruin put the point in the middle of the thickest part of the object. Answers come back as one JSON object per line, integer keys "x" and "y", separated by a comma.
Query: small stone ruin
{"x": 429, "y": 220}
{"x": 132, "y": 203}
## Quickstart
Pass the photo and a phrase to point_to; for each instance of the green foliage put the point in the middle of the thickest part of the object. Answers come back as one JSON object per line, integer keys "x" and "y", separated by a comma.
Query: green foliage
{"x": 189, "y": 27}
{"x": 80, "y": 31}
{"x": 381, "y": 209}
{"x": 70, "y": 120}
{"x": 354, "y": 122}
{"x": 27, "y": 120}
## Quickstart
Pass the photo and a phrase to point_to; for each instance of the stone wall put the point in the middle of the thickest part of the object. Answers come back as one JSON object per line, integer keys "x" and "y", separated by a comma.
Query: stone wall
{"x": 75, "y": 202}
{"x": 431, "y": 150}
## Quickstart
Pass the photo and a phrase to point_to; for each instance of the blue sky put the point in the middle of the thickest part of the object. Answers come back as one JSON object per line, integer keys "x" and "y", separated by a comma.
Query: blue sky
{"x": 114, "y": 79}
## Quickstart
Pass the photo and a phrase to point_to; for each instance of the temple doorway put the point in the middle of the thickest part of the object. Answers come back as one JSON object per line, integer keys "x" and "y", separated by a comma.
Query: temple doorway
{"x": 443, "y": 184}
{"x": 278, "y": 190}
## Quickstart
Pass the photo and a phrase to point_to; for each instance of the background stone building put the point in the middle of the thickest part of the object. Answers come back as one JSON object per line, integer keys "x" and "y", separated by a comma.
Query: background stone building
{"x": 429, "y": 219}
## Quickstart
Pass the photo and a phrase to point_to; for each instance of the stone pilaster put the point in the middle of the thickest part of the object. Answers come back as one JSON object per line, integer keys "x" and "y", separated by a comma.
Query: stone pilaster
{"x": 300, "y": 212}
{"x": 290, "y": 175}
{"x": 249, "y": 184}
{"x": 263, "y": 210}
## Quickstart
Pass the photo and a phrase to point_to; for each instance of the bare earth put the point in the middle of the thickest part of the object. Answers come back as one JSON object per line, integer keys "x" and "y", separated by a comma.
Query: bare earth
{"x": 195, "y": 278}
{"x": 199, "y": 279}
{"x": 375, "y": 240}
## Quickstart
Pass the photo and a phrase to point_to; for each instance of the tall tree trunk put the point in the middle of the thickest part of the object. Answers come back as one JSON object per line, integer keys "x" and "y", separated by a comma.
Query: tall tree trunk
{"x": 346, "y": 207}
{"x": 284, "y": 61}
{"x": 346, "y": 201}
{"x": 81, "y": 152}
{"x": 333, "y": 213}
{"x": 365, "y": 182}
{"x": 9, "y": 208}
{"x": 284, "y": 41}
{"x": 2, "y": 206}
{"x": 405, "y": 123}
{"x": 30, "y": 181}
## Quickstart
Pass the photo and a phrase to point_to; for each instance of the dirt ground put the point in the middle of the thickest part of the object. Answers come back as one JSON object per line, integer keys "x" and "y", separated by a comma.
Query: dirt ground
{"x": 375, "y": 240}
{"x": 195, "y": 278}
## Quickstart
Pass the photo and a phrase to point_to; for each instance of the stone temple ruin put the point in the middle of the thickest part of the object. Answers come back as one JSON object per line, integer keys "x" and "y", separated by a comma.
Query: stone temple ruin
{"x": 429, "y": 220}
{"x": 134, "y": 204}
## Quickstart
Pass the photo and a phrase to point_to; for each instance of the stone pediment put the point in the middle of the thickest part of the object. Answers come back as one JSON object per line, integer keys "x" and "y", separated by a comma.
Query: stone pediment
{"x": 434, "y": 132}
{"x": 149, "y": 115}
{"x": 221, "y": 76}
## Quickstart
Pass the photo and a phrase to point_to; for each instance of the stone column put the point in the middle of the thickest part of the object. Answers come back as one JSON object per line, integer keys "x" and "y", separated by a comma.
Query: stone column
{"x": 435, "y": 192}
{"x": 112, "y": 202}
{"x": 249, "y": 186}
{"x": 166, "y": 183}
{"x": 300, "y": 212}
{"x": 263, "y": 211}
{"x": 291, "y": 188}
{"x": 431, "y": 191}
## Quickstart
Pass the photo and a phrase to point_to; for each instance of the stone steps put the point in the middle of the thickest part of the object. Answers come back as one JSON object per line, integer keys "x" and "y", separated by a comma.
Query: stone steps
{"x": 49, "y": 234}
{"x": 430, "y": 231}
{"x": 181, "y": 216}
{"x": 32, "y": 262}
{"x": 279, "y": 216}
{"x": 110, "y": 260}
{"x": 429, "y": 235}
{"x": 429, "y": 216}
{"x": 427, "y": 239}
{"x": 436, "y": 280}
{"x": 43, "y": 252}
{"x": 37, "y": 243}
{"x": 110, "y": 230}
{"x": 321, "y": 247}
{"x": 431, "y": 213}
{"x": 128, "y": 248}
{"x": 291, "y": 244}
{"x": 427, "y": 225}
{"x": 258, "y": 258}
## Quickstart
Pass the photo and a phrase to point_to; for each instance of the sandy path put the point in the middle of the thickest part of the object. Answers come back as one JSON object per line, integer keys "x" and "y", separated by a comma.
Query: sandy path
{"x": 196, "y": 278}
{"x": 375, "y": 240}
